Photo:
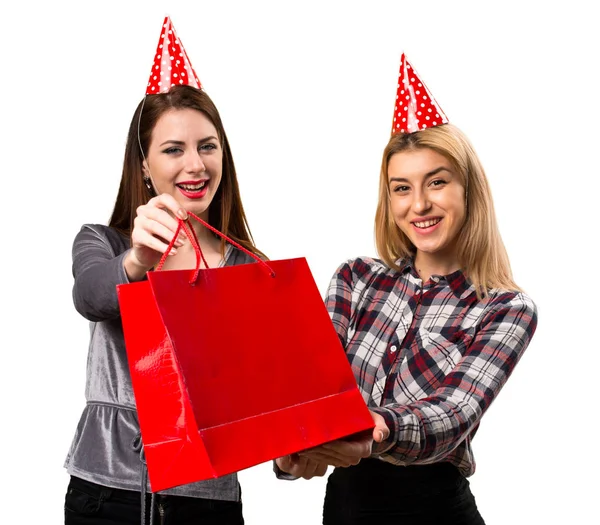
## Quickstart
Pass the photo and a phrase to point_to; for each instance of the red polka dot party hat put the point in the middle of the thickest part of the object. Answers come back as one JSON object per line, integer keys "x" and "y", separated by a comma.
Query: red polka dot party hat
{"x": 171, "y": 64}
{"x": 416, "y": 108}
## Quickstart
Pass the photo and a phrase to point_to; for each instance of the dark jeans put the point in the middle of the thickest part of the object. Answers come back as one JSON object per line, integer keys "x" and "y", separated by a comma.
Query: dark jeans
{"x": 91, "y": 504}
{"x": 375, "y": 492}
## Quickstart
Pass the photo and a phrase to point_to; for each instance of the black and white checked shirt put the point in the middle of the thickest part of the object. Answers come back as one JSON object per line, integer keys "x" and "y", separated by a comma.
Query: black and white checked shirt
{"x": 430, "y": 358}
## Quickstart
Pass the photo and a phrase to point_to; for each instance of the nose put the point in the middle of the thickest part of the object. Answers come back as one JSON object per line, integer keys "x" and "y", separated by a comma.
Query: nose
{"x": 194, "y": 163}
{"x": 421, "y": 202}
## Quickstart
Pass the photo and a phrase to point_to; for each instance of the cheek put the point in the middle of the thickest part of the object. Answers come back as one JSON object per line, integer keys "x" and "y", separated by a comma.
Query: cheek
{"x": 165, "y": 165}
{"x": 460, "y": 210}
{"x": 216, "y": 164}
{"x": 458, "y": 222}
{"x": 218, "y": 174}
{"x": 452, "y": 203}
{"x": 398, "y": 209}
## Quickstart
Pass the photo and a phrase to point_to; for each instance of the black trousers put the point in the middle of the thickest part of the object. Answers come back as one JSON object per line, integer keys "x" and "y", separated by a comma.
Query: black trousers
{"x": 87, "y": 503}
{"x": 375, "y": 492}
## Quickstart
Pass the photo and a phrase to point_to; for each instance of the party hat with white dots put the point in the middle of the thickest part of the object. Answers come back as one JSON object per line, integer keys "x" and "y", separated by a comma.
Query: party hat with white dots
{"x": 171, "y": 66}
{"x": 415, "y": 108}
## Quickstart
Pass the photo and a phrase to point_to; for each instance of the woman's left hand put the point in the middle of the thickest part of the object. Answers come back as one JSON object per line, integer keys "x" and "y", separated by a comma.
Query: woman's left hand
{"x": 381, "y": 431}
{"x": 301, "y": 467}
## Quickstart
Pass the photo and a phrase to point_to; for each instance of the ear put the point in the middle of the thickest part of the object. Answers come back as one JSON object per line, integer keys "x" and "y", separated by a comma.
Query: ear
{"x": 145, "y": 168}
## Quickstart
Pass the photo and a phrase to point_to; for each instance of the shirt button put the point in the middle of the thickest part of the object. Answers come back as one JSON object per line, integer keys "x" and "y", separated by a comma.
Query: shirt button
{"x": 393, "y": 348}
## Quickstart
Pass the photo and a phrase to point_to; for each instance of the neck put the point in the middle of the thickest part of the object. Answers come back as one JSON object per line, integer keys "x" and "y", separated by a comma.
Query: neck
{"x": 428, "y": 264}
{"x": 206, "y": 238}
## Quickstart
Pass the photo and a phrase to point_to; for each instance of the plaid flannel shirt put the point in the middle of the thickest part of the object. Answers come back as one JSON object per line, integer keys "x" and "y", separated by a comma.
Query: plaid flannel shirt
{"x": 430, "y": 358}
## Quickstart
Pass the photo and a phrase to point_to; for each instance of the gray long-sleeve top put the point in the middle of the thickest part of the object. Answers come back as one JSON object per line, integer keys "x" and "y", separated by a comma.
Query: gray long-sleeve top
{"x": 102, "y": 451}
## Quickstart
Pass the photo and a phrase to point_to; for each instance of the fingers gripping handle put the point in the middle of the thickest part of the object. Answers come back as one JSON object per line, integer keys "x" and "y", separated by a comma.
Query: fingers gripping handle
{"x": 191, "y": 235}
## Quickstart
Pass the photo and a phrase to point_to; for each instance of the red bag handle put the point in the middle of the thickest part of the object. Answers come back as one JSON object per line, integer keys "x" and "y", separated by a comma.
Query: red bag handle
{"x": 191, "y": 235}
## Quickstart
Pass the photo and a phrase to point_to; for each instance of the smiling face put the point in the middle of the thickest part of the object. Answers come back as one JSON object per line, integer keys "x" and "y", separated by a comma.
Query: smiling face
{"x": 427, "y": 203}
{"x": 185, "y": 159}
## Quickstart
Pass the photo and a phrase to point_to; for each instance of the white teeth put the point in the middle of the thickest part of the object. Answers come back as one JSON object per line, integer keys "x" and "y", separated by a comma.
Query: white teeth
{"x": 426, "y": 224}
{"x": 193, "y": 187}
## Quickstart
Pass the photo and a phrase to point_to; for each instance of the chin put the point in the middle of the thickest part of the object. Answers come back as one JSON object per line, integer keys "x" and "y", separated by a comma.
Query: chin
{"x": 199, "y": 209}
{"x": 430, "y": 250}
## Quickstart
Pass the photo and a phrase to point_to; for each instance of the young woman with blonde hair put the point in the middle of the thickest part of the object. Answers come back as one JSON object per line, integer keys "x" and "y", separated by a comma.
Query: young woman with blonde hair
{"x": 480, "y": 249}
{"x": 432, "y": 330}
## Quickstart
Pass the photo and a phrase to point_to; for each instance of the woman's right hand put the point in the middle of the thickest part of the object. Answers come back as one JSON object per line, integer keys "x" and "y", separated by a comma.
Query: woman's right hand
{"x": 153, "y": 229}
{"x": 352, "y": 449}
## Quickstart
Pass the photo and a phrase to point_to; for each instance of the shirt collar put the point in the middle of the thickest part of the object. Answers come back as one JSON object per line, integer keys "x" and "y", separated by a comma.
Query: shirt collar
{"x": 405, "y": 264}
{"x": 458, "y": 283}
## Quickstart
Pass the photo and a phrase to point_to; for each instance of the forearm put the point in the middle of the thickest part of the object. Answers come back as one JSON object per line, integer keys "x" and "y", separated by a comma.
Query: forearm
{"x": 431, "y": 428}
{"x": 425, "y": 432}
{"x": 134, "y": 270}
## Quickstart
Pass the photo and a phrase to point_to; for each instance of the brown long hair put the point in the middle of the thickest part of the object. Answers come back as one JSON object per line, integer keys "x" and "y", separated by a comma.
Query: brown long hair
{"x": 481, "y": 252}
{"x": 226, "y": 212}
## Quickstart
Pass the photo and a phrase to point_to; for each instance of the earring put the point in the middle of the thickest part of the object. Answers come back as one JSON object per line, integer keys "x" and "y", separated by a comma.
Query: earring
{"x": 148, "y": 184}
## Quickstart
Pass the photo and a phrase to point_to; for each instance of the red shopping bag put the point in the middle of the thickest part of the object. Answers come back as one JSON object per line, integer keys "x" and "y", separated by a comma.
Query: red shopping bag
{"x": 234, "y": 366}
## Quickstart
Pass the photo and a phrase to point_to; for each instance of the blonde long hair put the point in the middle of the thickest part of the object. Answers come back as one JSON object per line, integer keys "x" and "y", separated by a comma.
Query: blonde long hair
{"x": 481, "y": 252}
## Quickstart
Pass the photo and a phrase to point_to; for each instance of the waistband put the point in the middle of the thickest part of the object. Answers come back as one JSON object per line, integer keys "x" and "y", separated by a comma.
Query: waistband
{"x": 108, "y": 493}
{"x": 91, "y": 402}
{"x": 370, "y": 469}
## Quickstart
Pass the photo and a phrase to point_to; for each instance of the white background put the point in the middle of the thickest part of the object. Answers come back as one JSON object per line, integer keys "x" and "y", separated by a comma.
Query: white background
{"x": 306, "y": 91}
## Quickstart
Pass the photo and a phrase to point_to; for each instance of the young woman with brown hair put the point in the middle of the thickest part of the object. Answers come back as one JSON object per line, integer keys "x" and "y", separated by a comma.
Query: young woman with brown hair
{"x": 177, "y": 160}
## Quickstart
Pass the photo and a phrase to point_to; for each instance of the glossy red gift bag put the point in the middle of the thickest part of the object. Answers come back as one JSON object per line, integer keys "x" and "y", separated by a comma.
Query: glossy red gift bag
{"x": 234, "y": 366}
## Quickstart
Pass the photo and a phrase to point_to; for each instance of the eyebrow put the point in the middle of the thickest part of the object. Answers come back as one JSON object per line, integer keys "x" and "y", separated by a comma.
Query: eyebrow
{"x": 182, "y": 143}
{"x": 427, "y": 175}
